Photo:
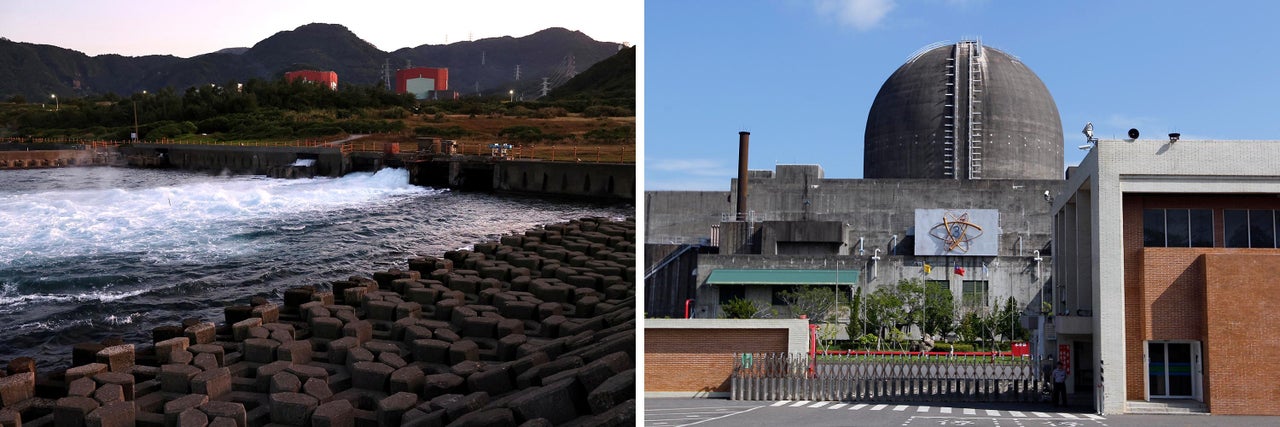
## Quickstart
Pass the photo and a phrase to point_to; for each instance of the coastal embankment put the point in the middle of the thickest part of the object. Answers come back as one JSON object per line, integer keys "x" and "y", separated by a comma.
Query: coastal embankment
{"x": 533, "y": 329}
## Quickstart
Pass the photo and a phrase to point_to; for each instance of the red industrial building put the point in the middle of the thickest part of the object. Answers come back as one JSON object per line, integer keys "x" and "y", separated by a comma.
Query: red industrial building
{"x": 328, "y": 78}
{"x": 422, "y": 81}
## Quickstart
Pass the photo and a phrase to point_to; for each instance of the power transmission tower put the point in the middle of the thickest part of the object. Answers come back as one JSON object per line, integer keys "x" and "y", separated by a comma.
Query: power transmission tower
{"x": 386, "y": 73}
{"x": 517, "y": 72}
{"x": 546, "y": 85}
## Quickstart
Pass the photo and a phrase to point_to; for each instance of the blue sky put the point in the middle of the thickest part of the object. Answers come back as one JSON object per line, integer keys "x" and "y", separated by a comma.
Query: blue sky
{"x": 800, "y": 75}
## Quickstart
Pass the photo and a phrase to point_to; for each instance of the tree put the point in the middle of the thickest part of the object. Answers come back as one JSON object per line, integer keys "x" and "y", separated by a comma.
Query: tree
{"x": 742, "y": 308}
{"x": 818, "y": 303}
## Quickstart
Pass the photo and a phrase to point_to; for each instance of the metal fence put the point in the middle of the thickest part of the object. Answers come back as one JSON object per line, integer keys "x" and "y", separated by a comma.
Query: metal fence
{"x": 798, "y": 376}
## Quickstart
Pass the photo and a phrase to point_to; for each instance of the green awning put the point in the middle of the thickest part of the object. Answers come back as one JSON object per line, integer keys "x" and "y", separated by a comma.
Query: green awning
{"x": 783, "y": 277}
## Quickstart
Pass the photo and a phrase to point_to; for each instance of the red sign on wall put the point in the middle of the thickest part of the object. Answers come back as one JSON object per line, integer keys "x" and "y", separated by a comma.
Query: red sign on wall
{"x": 1064, "y": 357}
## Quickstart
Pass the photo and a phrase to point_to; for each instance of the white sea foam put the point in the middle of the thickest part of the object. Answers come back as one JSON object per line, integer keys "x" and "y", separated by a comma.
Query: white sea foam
{"x": 177, "y": 221}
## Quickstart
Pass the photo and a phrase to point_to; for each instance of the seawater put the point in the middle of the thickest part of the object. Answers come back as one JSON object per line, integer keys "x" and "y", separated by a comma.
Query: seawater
{"x": 88, "y": 253}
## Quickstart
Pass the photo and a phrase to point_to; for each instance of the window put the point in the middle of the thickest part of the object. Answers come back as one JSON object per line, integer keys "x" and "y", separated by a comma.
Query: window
{"x": 974, "y": 293}
{"x": 1177, "y": 228}
{"x": 1254, "y": 228}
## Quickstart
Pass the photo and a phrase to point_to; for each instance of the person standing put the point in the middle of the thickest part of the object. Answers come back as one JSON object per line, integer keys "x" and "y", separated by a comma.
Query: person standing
{"x": 1060, "y": 385}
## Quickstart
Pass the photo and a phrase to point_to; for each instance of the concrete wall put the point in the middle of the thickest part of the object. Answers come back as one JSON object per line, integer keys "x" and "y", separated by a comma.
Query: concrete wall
{"x": 597, "y": 180}
{"x": 236, "y": 159}
{"x": 1091, "y": 232}
{"x": 694, "y": 357}
{"x": 45, "y": 158}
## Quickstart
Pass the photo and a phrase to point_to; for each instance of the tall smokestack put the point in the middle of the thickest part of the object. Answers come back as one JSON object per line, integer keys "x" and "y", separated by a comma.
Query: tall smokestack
{"x": 744, "y": 139}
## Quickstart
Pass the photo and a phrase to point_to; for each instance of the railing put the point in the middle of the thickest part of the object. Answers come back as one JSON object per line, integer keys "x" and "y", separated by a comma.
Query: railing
{"x": 783, "y": 376}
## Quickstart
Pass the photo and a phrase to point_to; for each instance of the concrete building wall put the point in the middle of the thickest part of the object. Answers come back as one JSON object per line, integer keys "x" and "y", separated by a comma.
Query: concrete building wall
{"x": 694, "y": 357}
{"x": 1094, "y": 213}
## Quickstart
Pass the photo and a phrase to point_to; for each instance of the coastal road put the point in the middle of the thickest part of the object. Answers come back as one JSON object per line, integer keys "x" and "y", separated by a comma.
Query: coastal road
{"x": 675, "y": 412}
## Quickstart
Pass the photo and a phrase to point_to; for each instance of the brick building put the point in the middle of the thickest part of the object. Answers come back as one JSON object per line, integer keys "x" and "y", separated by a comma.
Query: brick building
{"x": 694, "y": 357}
{"x": 1166, "y": 265}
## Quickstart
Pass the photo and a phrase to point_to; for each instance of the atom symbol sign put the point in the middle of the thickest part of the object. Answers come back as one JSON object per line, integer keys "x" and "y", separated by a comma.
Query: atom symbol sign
{"x": 956, "y": 232}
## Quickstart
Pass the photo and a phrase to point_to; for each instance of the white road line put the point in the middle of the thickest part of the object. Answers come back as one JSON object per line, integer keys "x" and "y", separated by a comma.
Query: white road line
{"x": 1066, "y": 415}
{"x": 838, "y": 406}
{"x": 726, "y": 415}
{"x": 970, "y": 411}
{"x": 819, "y": 404}
{"x": 946, "y": 409}
{"x": 780, "y": 403}
{"x": 1017, "y": 414}
{"x": 1095, "y": 416}
{"x": 879, "y": 407}
{"x": 800, "y": 403}
{"x": 993, "y": 413}
{"x": 857, "y": 407}
{"x": 922, "y": 409}
{"x": 1041, "y": 414}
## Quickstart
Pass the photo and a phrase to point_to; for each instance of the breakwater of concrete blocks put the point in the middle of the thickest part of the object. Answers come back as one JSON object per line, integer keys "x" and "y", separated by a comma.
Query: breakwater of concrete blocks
{"x": 536, "y": 329}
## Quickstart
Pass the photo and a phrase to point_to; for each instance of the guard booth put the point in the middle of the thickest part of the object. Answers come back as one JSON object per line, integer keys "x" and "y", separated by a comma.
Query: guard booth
{"x": 500, "y": 151}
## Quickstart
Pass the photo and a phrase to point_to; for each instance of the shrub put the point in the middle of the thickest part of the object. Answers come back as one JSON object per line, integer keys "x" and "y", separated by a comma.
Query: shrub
{"x": 740, "y": 308}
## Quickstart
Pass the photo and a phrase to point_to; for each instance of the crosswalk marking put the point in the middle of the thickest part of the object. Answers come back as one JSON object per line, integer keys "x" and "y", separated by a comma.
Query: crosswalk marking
{"x": 945, "y": 410}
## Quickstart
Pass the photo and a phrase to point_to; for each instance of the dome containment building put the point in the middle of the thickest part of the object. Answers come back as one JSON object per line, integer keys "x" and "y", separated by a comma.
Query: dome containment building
{"x": 963, "y": 111}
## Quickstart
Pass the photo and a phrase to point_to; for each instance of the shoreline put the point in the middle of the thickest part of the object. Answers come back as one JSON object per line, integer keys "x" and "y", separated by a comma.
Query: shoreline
{"x": 486, "y": 326}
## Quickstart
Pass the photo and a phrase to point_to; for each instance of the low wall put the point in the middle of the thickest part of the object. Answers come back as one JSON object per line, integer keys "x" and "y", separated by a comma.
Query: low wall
{"x": 694, "y": 357}
{"x": 45, "y": 159}
{"x": 615, "y": 181}
{"x": 274, "y": 161}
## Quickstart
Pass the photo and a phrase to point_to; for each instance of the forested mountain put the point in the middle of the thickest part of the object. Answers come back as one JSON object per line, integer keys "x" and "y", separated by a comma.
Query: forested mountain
{"x": 486, "y": 66}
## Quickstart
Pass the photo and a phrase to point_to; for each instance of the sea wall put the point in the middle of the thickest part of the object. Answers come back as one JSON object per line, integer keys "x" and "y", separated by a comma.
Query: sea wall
{"x": 46, "y": 159}
{"x": 609, "y": 181}
{"x": 534, "y": 329}
{"x": 253, "y": 160}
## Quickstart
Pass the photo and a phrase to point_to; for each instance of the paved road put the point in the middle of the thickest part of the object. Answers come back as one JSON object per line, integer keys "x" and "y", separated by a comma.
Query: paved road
{"x": 675, "y": 412}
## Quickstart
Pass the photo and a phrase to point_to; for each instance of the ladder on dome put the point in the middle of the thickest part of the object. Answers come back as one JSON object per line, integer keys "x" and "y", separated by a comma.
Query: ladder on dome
{"x": 949, "y": 117}
{"x": 975, "y": 111}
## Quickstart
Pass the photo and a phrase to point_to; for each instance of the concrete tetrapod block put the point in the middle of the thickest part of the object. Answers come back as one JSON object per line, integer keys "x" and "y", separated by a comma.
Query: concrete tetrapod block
{"x": 71, "y": 411}
{"x": 10, "y": 418}
{"x": 83, "y": 387}
{"x": 192, "y": 418}
{"x": 176, "y": 378}
{"x": 214, "y": 383}
{"x": 269, "y": 313}
{"x": 295, "y": 351}
{"x": 391, "y": 409}
{"x": 495, "y": 381}
{"x": 339, "y": 348}
{"x": 613, "y": 391}
{"x": 115, "y": 414}
{"x": 259, "y": 350}
{"x": 440, "y": 384}
{"x": 173, "y": 409}
{"x": 381, "y": 310}
{"x": 371, "y": 376}
{"x": 263, "y": 374}
{"x": 407, "y": 379}
{"x": 109, "y": 393}
{"x": 85, "y": 371}
{"x": 430, "y": 351}
{"x": 235, "y": 411}
{"x": 326, "y": 327}
{"x": 496, "y": 417}
{"x": 125, "y": 381}
{"x": 308, "y": 372}
{"x": 200, "y": 333}
{"x": 284, "y": 382}
{"x": 338, "y": 413}
{"x": 164, "y": 348}
{"x": 240, "y": 330}
{"x": 361, "y": 330}
{"x": 292, "y": 408}
{"x": 118, "y": 358}
{"x": 85, "y": 353}
{"x": 463, "y": 350}
{"x": 318, "y": 389}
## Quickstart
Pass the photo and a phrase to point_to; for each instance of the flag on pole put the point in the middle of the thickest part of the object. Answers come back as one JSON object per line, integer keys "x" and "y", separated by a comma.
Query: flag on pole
{"x": 928, "y": 268}
{"x": 959, "y": 271}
